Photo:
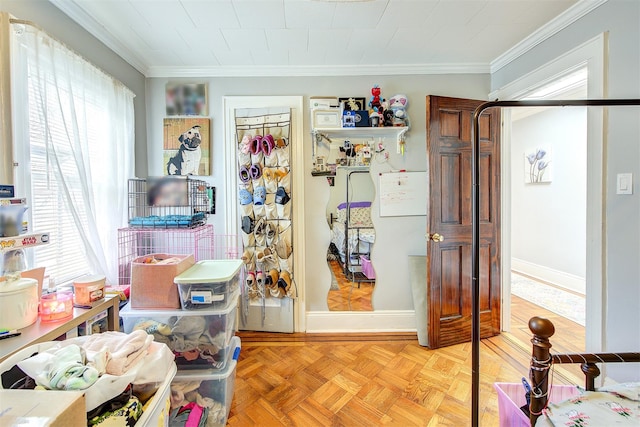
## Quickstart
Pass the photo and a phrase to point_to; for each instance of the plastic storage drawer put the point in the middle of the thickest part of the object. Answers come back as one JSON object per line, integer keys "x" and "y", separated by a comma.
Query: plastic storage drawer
{"x": 199, "y": 339}
{"x": 215, "y": 389}
{"x": 208, "y": 284}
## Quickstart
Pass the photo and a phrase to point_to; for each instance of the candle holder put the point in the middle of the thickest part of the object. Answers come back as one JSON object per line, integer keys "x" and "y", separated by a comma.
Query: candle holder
{"x": 56, "y": 306}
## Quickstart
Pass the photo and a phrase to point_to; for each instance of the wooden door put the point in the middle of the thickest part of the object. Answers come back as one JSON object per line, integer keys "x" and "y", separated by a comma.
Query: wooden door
{"x": 449, "y": 263}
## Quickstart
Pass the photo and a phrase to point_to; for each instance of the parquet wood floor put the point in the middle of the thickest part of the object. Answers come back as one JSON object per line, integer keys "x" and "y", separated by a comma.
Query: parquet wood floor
{"x": 372, "y": 379}
{"x": 348, "y": 296}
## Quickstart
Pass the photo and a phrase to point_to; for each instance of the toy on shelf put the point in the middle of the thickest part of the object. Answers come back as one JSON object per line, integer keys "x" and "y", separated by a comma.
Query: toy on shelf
{"x": 398, "y": 105}
{"x": 387, "y": 118}
{"x": 376, "y": 100}
{"x": 375, "y": 118}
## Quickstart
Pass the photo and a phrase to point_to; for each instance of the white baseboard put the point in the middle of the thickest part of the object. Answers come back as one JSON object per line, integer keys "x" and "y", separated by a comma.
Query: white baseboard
{"x": 361, "y": 321}
{"x": 555, "y": 277}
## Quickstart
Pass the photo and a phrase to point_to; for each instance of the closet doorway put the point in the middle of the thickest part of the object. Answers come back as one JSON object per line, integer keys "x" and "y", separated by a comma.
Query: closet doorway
{"x": 590, "y": 56}
{"x": 548, "y": 193}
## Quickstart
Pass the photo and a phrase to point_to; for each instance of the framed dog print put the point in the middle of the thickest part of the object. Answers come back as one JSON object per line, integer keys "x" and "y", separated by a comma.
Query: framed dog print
{"x": 186, "y": 147}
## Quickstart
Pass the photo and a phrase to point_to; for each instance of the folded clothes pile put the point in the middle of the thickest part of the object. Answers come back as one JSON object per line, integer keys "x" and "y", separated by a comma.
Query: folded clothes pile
{"x": 190, "y": 407}
{"x": 109, "y": 367}
{"x": 195, "y": 340}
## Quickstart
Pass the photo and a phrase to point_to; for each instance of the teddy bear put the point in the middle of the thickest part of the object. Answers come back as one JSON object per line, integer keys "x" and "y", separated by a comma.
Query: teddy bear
{"x": 398, "y": 104}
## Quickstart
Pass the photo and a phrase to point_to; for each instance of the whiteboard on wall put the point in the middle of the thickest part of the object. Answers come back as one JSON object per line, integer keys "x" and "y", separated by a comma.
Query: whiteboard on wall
{"x": 403, "y": 193}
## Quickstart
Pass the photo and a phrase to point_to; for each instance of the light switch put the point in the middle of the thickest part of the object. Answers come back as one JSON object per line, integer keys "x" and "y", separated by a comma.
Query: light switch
{"x": 624, "y": 183}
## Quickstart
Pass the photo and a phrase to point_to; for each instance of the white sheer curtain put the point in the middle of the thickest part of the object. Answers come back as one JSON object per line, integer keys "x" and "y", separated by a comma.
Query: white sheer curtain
{"x": 74, "y": 142}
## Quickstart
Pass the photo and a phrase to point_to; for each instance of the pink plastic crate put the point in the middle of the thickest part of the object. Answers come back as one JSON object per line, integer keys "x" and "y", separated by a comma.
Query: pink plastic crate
{"x": 511, "y": 397}
{"x": 367, "y": 268}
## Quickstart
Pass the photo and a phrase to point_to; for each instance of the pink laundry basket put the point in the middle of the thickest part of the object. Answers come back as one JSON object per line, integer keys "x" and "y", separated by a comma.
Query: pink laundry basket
{"x": 511, "y": 397}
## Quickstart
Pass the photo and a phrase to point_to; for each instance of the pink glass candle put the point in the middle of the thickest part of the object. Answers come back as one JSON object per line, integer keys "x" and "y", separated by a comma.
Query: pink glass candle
{"x": 56, "y": 306}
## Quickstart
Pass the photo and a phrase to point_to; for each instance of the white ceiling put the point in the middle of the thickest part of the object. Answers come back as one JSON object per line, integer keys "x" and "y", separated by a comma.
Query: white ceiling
{"x": 267, "y": 37}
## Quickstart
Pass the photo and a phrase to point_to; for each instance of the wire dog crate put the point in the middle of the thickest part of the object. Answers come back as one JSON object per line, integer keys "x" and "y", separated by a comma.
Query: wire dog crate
{"x": 169, "y": 202}
{"x": 199, "y": 241}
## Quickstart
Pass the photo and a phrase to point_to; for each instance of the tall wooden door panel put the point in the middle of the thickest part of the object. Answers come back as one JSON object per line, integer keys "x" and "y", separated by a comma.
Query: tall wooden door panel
{"x": 449, "y": 281}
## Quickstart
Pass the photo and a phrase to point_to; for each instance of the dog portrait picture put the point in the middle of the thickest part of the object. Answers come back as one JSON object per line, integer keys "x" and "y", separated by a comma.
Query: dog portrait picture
{"x": 186, "y": 146}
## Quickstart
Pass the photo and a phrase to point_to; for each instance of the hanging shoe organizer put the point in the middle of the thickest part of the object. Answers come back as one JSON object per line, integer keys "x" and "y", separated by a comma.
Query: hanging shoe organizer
{"x": 265, "y": 197}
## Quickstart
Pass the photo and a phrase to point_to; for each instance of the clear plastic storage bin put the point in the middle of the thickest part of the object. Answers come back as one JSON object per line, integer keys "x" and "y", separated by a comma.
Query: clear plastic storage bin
{"x": 199, "y": 339}
{"x": 216, "y": 389}
{"x": 208, "y": 284}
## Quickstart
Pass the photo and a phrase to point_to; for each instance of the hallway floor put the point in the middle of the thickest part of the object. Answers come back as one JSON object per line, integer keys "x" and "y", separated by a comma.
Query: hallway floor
{"x": 553, "y": 298}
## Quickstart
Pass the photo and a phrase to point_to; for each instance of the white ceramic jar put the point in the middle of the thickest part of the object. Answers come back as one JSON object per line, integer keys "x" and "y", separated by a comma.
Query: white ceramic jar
{"x": 19, "y": 301}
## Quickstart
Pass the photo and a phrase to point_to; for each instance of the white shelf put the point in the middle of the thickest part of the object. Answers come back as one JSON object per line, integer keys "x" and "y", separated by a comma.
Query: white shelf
{"x": 396, "y": 132}
{"x": 23, "y": 241}
{"x": 363, "y": 132}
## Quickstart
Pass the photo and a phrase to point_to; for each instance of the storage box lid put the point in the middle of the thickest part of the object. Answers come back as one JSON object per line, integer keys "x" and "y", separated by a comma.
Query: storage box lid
{"x": 90, "y": 279}
{"x": 211, "y": 271}
{"x": 17, "y": 285}
{"x": 127, "y": 311}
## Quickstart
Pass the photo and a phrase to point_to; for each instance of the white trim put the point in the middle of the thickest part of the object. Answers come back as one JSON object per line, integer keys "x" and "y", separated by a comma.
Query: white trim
{"x": 74, "y": 11}
{"x": 230, "y": 103}
{"x": 543, "y": 33}
{"x": 361, "y": 321}
{"x": 553, "y": 70}
{"x": 317, "y": 70}
{"x": 594, "y": 54}
{"x": 555, "y": 277}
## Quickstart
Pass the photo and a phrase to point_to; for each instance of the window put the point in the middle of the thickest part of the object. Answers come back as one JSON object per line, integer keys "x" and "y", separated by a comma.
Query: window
{"x": 75, "y": 154}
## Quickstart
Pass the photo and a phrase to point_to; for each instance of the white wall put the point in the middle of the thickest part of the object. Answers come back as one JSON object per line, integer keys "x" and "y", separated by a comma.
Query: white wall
{"x": 621, "y": 19}
{"x": 396, "y": 237}
{"x": 548, "y": 222}
{"x": 60, "y": 26}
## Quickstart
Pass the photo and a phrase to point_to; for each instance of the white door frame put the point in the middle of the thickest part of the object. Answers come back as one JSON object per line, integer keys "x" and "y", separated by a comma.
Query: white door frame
{"x": 230, "y": 104}
{"x": 591, "y": 54}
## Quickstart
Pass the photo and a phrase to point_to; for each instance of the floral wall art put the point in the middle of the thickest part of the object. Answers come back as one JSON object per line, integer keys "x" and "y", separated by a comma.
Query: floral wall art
{"x": 537, "y": 165}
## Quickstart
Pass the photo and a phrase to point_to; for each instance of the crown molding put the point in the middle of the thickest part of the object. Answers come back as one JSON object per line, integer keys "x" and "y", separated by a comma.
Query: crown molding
{"x": 74, "y": 11}
{"x": 316, "y": 70}
{"x": 543, "y": 33}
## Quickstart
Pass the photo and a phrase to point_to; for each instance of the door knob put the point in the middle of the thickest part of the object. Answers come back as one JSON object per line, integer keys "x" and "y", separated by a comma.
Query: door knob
{"x": 437, "y": 237}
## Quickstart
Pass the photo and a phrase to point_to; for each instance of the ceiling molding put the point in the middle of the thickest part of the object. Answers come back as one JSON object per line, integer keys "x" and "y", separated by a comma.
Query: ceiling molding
{"x": 554, "y": 26}
{"x": 317, "y": 70}
{"x": 74, "y": 11}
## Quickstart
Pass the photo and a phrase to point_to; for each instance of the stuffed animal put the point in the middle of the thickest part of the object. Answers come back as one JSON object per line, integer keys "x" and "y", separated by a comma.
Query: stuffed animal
{"x": 398, "y": 104}
{"x": 376, "y": 100}
{"x": 387, "y": 118}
